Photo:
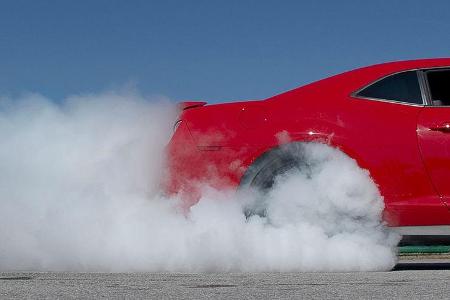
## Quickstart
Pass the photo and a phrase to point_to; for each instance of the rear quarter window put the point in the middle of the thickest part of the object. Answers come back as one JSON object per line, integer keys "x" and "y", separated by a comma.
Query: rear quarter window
{"x": 401, "y": 87}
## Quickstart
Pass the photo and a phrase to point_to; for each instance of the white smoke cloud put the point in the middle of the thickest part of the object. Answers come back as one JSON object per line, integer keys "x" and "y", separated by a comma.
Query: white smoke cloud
{"x": 79, "y": 192}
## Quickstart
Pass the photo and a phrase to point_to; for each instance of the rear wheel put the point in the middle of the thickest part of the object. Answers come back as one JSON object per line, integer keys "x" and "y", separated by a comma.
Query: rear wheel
{"x": 285, "y": 161}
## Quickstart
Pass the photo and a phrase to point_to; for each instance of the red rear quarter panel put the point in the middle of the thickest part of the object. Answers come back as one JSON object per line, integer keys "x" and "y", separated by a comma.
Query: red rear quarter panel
{"x": 222, "y": 140}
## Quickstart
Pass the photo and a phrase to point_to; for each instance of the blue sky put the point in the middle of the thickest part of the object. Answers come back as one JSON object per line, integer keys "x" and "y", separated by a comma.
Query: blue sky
{"x": 208, "y": 50}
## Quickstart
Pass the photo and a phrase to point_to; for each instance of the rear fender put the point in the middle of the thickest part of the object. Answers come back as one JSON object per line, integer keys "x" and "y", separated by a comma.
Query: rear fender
{"x": 283, "y": 151}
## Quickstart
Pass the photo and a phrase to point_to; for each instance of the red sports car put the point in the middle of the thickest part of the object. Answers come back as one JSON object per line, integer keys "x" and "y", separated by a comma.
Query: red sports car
{"x": 392, "y": 118}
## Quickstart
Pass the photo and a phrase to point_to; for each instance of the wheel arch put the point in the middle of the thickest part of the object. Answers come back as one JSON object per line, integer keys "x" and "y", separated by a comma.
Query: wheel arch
{"x": 264, "y": 158}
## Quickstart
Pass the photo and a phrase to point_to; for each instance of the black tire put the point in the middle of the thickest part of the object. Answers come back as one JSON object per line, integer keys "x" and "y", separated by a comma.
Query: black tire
{"x": 262, "y": 175}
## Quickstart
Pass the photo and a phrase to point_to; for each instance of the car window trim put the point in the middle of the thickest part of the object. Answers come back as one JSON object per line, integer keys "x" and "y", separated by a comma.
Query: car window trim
{"x": 356, "y": 96}
{"x": 424, "y": 88}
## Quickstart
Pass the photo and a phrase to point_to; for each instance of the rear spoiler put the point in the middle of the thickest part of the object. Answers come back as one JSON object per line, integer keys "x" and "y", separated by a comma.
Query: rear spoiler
{"x": 190, "y": 104}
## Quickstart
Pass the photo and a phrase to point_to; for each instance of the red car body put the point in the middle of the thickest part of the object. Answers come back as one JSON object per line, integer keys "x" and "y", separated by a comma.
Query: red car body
{"x": 405, "y": 146}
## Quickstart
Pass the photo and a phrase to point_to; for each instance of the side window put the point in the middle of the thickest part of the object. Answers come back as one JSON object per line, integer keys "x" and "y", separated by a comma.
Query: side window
{"x": 402, "y": 87}
{"x": 439, "y": 86}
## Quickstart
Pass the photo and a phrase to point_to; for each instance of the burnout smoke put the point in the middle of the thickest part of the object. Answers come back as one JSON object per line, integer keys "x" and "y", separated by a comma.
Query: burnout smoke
{"x": 79, "y": 192}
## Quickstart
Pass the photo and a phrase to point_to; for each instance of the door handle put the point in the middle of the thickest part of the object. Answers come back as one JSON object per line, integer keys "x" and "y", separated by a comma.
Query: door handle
{"x": 442, "y": 128}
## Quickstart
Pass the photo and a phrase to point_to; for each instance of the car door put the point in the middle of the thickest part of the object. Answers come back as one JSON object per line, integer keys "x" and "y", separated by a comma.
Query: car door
{"x": 386, "y": 112}
{"x": 433, "y": 130}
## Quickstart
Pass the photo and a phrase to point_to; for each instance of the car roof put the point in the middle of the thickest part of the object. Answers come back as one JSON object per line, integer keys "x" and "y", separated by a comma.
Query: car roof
{"x": 350, "y": 81}
{"x": 387, "y": 68}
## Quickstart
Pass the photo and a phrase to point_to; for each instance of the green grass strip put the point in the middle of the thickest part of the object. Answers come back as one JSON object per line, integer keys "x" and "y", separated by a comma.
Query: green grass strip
{"x": 423, "y": 249}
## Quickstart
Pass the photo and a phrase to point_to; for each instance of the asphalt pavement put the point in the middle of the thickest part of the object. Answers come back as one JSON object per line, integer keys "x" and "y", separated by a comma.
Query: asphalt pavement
{"x": 410, "y": 279}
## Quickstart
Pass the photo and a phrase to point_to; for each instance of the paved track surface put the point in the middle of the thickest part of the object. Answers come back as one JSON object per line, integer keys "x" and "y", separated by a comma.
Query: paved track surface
{"x": 409, "y": 280}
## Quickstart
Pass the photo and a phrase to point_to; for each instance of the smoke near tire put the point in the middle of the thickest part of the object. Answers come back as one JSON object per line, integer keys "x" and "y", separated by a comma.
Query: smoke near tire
{"x": 79, "y": 192}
